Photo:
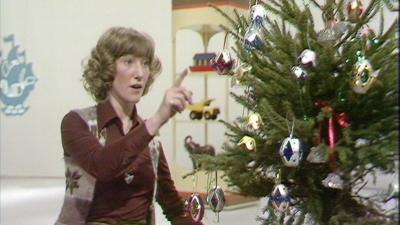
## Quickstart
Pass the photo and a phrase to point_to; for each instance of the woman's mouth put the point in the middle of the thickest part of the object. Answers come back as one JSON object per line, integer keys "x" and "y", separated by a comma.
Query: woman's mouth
{"x": 136, "y": 86}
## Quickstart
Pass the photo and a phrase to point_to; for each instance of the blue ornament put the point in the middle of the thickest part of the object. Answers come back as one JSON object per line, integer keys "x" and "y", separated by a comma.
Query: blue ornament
{"x": 280, "y": 198}
{"x": 291, "y": 150}
{"x": 258, "y": 15}
{"x": 253, "y": 38}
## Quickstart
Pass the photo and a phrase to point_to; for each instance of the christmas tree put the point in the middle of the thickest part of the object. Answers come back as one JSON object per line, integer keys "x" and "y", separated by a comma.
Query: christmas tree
{"x": 322, "y": 110}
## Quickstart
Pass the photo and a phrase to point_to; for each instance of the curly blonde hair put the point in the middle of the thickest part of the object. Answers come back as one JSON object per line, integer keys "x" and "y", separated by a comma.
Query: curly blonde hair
{"x": 100, "y": 68}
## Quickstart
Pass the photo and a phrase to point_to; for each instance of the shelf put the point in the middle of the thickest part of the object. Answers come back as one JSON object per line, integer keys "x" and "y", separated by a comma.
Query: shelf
{"x": 206, "y": 73}
{"x": 197, "y": 121}
{"x": 204, "y": 80}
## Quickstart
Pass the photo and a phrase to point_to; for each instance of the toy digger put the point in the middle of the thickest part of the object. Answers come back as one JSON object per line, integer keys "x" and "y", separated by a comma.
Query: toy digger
{"x": 198, "y": 109}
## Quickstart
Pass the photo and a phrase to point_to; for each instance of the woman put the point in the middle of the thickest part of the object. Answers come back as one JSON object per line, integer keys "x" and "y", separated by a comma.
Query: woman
{"x": 115, "y": 167}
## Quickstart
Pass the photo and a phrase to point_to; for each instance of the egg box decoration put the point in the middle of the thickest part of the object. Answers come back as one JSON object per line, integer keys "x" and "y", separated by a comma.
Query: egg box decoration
{"x": 334, "y": 181}
{"x": 241, "y": 72}
{"x": 194, "y": 205}
{"x": 363, "y": 76}
{"x": 333, "y": 31}
{"x": 247, "y": 143}
{"x": 258, "y": 15}
{"x": 280, "y": 198}
{"x": 216, "y": 199}
{"x": 299, "y": 72}
{"x": 318, "y": 154}
{"x": 255, "y": 121}
{"x": 253, "y": 38}
{"x": 223, "y": 63}
{"x": 291, "y": 151}
{"x": 308, "y": 58}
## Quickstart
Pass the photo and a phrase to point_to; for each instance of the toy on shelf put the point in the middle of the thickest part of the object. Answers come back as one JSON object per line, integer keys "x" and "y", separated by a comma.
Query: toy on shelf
{"x": 201, "y": 62}
{"x": 195, "y": 148}
{"x": 198, "y": 109}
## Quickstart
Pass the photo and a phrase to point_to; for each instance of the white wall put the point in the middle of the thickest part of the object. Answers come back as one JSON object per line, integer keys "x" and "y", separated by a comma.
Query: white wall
{"x": 57, "y": 35}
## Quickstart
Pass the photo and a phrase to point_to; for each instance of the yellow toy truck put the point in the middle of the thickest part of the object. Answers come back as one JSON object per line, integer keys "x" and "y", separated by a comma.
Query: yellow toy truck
{"x": 198, "y": 109}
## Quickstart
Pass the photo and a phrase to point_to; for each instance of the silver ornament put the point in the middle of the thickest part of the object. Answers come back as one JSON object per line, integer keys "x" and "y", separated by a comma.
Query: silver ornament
{"x": 195, "y": 206}
{"x": 333, "y": 180}
{"x": 299, "y": 72}
{"x": 291, "y": 151}
{"x": 216, "y": 199}
{"x": 308, "y": 58}
{"x": 258, "y": 15}
{"x": 280, "y": 198}
{"x": 318, "y": 154}
{"x": 253, "y": 38}
{"x": 333, "y": 31}
{"x": 361, "y": 142}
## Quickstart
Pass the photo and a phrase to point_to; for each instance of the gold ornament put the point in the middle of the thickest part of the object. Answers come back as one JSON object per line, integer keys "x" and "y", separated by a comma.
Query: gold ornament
{"x": 240, "y": 73}
{"x": 255, "y": 121}
{"x": 248, "y": 142}
{"x": 363, "y": 76}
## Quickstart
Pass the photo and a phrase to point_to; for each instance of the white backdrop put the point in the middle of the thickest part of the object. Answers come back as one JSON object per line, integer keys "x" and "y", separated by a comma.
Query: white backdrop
{"x": 56, "y": 35}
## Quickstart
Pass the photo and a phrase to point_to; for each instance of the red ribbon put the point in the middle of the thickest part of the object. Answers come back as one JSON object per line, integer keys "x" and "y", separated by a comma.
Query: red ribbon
{"x": 341, "y": 119}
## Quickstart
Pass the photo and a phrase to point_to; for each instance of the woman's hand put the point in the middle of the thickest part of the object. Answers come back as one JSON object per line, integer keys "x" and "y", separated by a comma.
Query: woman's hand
{"x": 175, "y": 100}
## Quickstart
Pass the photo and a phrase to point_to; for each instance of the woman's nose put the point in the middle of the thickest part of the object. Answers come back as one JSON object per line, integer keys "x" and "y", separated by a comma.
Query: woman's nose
{"x": 139, "y": 70}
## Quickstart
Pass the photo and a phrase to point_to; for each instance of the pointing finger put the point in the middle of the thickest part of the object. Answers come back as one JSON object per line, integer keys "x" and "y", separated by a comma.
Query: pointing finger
{"x": 180, "y": 78}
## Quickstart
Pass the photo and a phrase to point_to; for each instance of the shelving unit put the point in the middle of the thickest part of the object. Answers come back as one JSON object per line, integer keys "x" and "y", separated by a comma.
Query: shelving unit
{"x": 197, "y": 16}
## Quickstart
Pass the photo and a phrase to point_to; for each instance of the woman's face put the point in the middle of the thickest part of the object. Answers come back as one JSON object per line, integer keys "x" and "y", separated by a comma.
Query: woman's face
{"x": 130, "y": 78}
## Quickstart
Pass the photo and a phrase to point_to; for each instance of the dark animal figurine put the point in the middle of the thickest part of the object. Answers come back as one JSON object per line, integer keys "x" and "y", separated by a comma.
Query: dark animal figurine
{"x": 194, "y": 148}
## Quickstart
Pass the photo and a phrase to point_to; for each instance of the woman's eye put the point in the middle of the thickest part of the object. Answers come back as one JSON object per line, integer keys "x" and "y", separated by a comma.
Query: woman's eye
{"x": 128, "y": 61}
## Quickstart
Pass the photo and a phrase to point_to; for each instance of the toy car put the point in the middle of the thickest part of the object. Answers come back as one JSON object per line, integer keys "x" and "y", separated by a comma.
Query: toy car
{"x": 197, "y": 110}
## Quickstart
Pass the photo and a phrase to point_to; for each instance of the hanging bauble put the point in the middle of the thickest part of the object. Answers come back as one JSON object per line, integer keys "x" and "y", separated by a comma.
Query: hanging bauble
{"x": 280, "y": 198}
{"x": 333, "y": 180}
{"x": 363, "y": 76}
{"x": 269, "y": 172}
{"x": 255, "y": 121}
{"x": 341, "y": 28}
{"x": 362, "y": 142}
{"x": 308, "y": 58}
{"x": 327, "y": 35}
{"x": 253, "y": 38}
{"x": 258, "y": 15}
{"x": 194, "y": 205}
{"x": 318, "y": 154}
{"x": 291, "y": 151}
{"x": 333, "y": 31}
{"x": 355, "y": 9}
{"x": 216, "y": 199}
{"x": 241, "y": 72}
{"x": 248, "y": 143}
{"x": 223, "y": 63}
{"x": 299, "y": 72}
